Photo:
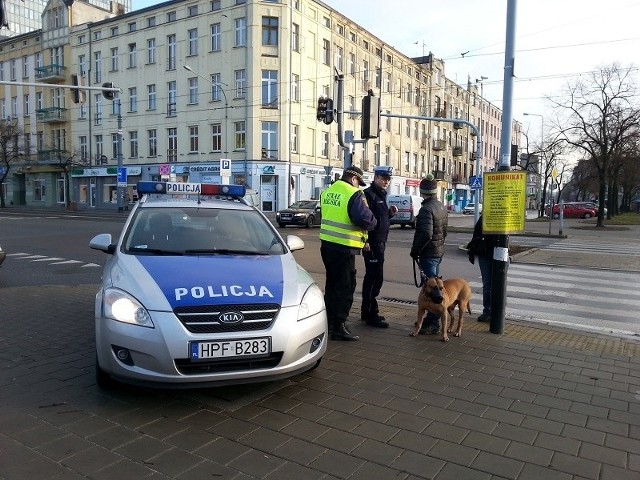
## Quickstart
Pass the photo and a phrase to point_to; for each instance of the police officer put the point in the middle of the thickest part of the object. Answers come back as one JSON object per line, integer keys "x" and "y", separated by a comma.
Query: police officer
{"x": 373, "y": 251}
{"x": 346, "y": 218}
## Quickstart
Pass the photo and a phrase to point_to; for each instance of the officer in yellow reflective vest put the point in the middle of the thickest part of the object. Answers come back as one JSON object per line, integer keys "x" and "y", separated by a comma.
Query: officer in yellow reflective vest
{"x": 346, "y": 219}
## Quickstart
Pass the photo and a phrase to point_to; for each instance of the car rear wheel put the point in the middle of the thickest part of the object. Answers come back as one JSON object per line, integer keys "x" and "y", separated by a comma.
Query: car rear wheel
{"x": 587, "y": 215}
{"x": 311, "y": 221}
{"x": 556, "y": 215}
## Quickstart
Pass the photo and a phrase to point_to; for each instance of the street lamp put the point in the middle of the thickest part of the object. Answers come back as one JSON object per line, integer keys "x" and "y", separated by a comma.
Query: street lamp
{"x": 226, "y": 103}
{"x": 478, "y": 166}
{"x": 539, "y": 169}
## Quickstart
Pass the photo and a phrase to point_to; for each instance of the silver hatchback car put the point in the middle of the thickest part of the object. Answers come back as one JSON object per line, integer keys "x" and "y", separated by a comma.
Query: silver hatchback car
{"x": 201, "y": 290}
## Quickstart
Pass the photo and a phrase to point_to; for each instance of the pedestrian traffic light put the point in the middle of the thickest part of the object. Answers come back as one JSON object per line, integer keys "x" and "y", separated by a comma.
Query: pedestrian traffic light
{"x": 77, "y": 93}
{"x": 108, "y": 94}
{"x": 370, "y": 116}
{"x": 324, "y": 111}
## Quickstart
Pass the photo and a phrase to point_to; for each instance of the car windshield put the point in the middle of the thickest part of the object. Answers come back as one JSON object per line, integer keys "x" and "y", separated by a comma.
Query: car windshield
{"x": 201, "y": 231}
{"x": 307, "y": 204}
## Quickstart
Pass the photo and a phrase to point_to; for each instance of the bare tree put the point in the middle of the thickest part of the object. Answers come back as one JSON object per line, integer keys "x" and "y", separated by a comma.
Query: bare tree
{"x": 10, "y": 133}
{"x": 599, "y": 111}
{"x": 67, "y": 161}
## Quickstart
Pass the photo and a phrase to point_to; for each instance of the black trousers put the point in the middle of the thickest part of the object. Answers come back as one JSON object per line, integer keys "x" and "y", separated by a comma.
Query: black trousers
{"x": 340, "y": 284}
{"x": 373, "y": 280}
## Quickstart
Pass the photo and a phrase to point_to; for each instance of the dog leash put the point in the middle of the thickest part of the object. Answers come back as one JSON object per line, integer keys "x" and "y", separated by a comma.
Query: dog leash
{"x": 415, "y": 281}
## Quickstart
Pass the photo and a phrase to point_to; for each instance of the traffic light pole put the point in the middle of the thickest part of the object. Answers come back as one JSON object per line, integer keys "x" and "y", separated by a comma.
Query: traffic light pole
{"x": 501, "y": 250}
{"x": 120, "y": 188}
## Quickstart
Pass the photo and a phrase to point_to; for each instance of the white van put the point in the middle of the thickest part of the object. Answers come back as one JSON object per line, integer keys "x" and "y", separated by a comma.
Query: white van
{"x": 408, "y": 208}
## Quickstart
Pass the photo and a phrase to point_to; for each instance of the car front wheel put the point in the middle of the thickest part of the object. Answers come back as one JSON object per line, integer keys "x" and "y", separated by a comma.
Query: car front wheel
{"x": 310, "y": 221}
{"x": 587, "y": 215}
{"x": 556, "y": 215}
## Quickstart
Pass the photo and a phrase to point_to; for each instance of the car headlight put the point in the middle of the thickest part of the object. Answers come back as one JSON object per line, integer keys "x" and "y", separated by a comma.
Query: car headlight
{"x": 312, "y": 302}
{"x": 121, "y": 306}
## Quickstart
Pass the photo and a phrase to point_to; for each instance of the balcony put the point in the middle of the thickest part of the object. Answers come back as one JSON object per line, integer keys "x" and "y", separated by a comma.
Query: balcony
{"x": 53, "y": 156}
{"x": 442, "y": 176}
{"x": 441, "y": 113}
{"x": 439, "y": 144}
{"x": 458, "y": 178}
{"x": 51, "y": 73}
{"x": 458, "y": 125}
{"x": 172, "y": 155}
{"x": 457, "y": 151}
{"x": 51, "y": 115}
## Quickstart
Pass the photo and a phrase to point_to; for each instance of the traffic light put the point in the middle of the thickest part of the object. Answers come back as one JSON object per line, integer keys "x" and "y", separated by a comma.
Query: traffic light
{"x": 78, "y": 95}
{"x": 108, "y": 94}
{"x": 370, "y": 116}
{"x": 324, "y": 112}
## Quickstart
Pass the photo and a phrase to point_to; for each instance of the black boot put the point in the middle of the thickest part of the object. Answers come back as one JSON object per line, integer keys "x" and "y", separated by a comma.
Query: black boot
{"x": 341, "y": 332}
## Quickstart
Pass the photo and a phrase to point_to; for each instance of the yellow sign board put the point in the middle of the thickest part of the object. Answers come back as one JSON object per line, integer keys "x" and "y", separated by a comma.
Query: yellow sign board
{"x": 504, "y": 207}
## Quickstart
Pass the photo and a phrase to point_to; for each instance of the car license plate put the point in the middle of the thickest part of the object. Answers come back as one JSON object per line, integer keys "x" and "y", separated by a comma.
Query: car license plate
{"x": 252, "y": 347}
{"x": 285, "y": 215}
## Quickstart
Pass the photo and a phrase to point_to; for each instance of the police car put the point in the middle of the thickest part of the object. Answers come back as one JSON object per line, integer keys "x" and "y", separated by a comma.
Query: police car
{"x": 200, "y": 289}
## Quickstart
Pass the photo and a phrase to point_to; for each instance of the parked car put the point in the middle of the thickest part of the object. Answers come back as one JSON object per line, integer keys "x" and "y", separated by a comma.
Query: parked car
{"x": 302, "y": 212}
{"x": 595, "y": 207}
{"x": 574, "y": 210}
{"x": 408, "y": 208}
{"x": 203, "y": 293}
{"x": 470, "y": 208}
{"x": 2, "y": 256}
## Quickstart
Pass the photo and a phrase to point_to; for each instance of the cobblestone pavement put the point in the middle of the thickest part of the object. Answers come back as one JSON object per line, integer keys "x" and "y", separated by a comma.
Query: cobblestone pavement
{"x": 537, "y": 402}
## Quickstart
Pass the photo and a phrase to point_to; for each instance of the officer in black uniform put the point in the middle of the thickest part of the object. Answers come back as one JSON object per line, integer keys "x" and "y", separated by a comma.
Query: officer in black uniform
{"x": 373, "y": 251}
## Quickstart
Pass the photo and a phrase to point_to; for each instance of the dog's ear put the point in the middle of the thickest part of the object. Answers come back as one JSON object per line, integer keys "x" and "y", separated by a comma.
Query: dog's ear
{"x": 440, "y": 277}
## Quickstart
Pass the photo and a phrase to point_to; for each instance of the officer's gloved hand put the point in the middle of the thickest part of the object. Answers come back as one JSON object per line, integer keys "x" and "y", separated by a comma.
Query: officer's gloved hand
{"x": 414, "y": 255}
{"x": 472, "y": 259}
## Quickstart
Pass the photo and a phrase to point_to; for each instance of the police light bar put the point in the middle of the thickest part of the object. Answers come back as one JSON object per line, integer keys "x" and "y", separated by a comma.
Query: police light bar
{"x": 182, "y": 188}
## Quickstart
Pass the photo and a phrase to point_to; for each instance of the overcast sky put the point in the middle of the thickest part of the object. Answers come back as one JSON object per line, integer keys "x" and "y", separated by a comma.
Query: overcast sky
{"x": 556, "y": 41}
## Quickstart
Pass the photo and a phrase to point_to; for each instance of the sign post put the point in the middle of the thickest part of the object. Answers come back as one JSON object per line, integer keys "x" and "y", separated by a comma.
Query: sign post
{"x": 225, "y": 171}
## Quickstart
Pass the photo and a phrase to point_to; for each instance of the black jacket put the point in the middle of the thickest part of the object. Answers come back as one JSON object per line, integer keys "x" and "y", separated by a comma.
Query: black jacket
{"x": 431, "y": 229}
{"x": 377, "y": 200}
{"x": 481, "y": 245}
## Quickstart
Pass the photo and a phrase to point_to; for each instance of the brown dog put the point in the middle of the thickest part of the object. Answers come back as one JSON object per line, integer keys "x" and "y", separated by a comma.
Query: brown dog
{"x": 442, "y": 297}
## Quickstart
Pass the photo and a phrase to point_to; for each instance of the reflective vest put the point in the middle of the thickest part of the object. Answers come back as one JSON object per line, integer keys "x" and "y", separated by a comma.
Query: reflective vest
{"x": 336, "y": 226}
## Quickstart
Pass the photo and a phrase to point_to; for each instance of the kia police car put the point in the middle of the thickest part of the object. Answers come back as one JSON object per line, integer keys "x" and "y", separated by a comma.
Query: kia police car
{"x": 200, "y": 289}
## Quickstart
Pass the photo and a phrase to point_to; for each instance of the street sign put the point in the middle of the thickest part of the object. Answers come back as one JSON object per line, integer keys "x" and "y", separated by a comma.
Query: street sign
{"x": 476, "y": 183}
{"x": 122, "y": 176}
{"x": 164, "y": 169}
{"x": 225, "y": 167}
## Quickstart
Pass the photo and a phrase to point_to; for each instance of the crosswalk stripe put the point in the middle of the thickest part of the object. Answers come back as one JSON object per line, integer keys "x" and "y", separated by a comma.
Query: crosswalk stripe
{"x": 596, "y": 300}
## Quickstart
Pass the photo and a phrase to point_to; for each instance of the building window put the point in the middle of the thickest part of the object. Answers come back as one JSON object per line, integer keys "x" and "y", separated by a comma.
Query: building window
{"x": 324, "y": 146}
{"x": 216, "y": 137}
{"x": 215, "y": 5}
{"x": 132, "y": 27}
{"x": 151, "y": 97}
{"x": 114, "y": 59}
{"x": 193, "y": 10}
{"x": 339, "y": 58}
{"x": 193, "y": 90}
{"x": 132, "y": 55}
{"x": 133, "y": 144}
{"x": 269, "y": 30}
{"x": 171, "y": 52}
{"x": 26, "y": 105}
{"x": 193, "y": 139}
{"x": 151, "y": 50}
{"x": 38, "y": 189}
{"x": 294, "y": 138}
{"x": 241, "y": 32}
{"x": 151, "y": 22}
{"x": 352, "y": 63}
{"x": 216, "y": 37}
{"x": 171, "y": 17}
{"x": 114, "y": 145}
{"x": 133, "y": 99}
{"x": 241, "y": 83}
{"x": 171, "y": 99}
{"x": 215, "y": 87}
{"x": 193, "y": 42}
{"x": 270, "y": 88}
{"x": 84, "y": 149}
{"x": 152, "y": 136}
{"x": 240, "y": 135}
{"x": 270, "y": 140}
{"x": 326, "y": 52}
{"x": 295, "y": 37}
{"x": 97, "y": 61}
{"x": 295, "y": 87}
{"x": 172, "y": 144}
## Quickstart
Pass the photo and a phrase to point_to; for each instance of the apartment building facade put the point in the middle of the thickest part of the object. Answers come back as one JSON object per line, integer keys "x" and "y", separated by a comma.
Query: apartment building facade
{"x": 206, "y": 80}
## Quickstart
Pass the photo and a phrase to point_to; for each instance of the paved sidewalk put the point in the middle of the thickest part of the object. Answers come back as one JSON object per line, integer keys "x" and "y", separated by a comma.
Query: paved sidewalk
{"x": 537, "y": 402}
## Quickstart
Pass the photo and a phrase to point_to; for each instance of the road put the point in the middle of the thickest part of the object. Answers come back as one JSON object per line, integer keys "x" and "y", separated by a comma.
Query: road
{"x": 53, "y": 250}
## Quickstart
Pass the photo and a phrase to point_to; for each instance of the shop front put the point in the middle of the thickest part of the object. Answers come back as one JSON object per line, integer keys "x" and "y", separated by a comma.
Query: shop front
{"x": 96, "y": 187}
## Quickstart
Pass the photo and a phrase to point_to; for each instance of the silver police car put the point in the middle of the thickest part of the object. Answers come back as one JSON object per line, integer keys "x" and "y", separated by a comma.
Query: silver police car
{"x": 201, "y": 290}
